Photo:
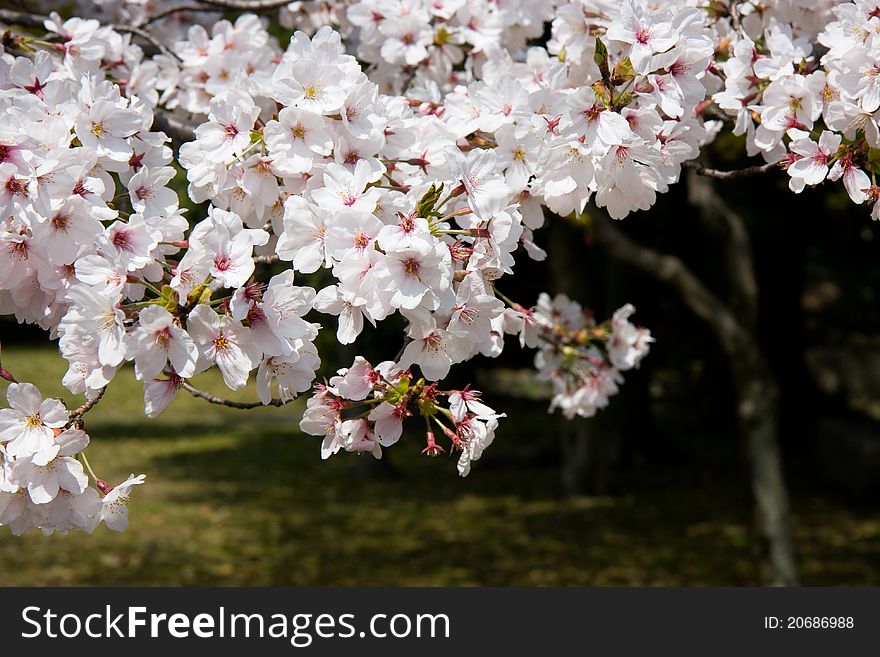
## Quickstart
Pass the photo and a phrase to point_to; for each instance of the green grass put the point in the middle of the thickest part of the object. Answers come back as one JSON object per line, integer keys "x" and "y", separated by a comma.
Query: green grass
{"x": 242, "y": 498}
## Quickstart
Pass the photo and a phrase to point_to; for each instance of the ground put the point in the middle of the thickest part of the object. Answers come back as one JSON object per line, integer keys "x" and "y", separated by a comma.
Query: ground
{"x": 243, "y": 498}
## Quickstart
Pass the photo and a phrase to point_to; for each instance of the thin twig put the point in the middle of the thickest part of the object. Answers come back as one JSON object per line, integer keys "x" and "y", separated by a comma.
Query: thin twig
{"x": 733, "y": 9}
{"x": 25, "y": 19}
{"x": 179, "y": 130}
{"x": 174, "y": 9}
{"x": 220, "y": 401}
{"x": 146, "y": 36}
{"x": 6, "y": 374}
{"x": 266, "y": 259}
{"x": 713, "y": 112}
{"x": 733, "y": 173}
{"x": 89, "y": 405}
{"x": 214, "y": 5}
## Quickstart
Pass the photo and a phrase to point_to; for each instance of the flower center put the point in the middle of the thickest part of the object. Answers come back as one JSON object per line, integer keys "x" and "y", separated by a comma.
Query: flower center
{"x": 60, "y": 222}
{"x": 162, "y": 337}
{"x": 121, "y": 240}
{"x": 411, "y": 267}
{"x": 222, "y": 343}
{"x": 311, "y": 91}
{"x": 18, "y": 250}
{"x": 16, "y": 186}
{"x": 222, "y": 262}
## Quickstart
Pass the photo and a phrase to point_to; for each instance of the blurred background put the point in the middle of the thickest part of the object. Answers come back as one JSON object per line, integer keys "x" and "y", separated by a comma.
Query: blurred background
{"x": 654, "y": 491}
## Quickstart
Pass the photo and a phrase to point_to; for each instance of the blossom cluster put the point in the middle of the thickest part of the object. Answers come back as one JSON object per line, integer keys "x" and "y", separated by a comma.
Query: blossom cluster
{"x": 362, "y": 409}
{"x": 339, "y": 177}
{"x": 582, "y": 360}
{"x": 398, "y": 165}
{"x": 42, "y": 484}
{"x": 806, "y": 95}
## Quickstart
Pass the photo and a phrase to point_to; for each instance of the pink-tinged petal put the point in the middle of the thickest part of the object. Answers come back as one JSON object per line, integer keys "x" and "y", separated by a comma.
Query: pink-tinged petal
{"x": 157, "y": 396}
{"x": 857, "y": 183}
{"x": 235, "y": 367}
{"x": 811, "y": 171}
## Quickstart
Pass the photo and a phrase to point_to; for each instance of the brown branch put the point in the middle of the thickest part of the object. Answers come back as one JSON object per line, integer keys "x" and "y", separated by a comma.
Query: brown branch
{"x": 6, "y": 374}
{"x": 89, "y": 405}
{"x": 214, "y": 5}
{"x": 172, "y": 125}
{"x": 672, "y": 271}
{"x": 220, "y": 401}
{"x": 732, "y": 174}
{"x": 733, "y": 9}
{"x": 146, "y": 36}
{"x": 757, "y": 393}
{"x": 247, "y": 5}
{"x": 174, "y": 9}
{"x": 718, "y": 216}
{"x": 713, "y": 112}
{"x": 266, "y": 259}
{"x": 25, "y": 19}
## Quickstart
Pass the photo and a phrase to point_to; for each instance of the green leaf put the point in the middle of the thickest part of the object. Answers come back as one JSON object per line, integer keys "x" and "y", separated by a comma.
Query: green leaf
{"x": 425, "y": 206}
{"x": 600, "y": 56}
{"x": 623, "y": 72}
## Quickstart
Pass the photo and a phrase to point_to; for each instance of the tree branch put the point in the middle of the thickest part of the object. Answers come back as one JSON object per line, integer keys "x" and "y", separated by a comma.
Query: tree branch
{"x": 732, "y": 174}
{"x": 179, "y": 130}
{"x": 757, "y": 393}
{"x": 220, "y": 401}
{"x": 25, "y": 19}
{"x": 89, "y": 405}
{"x": 715, "y": 213}
{"x": 672, "y": 271}
{"x": 6, "y": 374}
{"x": 733, "y": 9}
{"x": 214, "y": 5}
{"x": 248, "y": 5}
{"x": 146, "y": 36}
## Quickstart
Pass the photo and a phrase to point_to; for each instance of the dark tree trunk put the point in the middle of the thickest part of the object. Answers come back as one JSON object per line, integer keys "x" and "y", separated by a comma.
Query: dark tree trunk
{"x": 734, "y": 324}
{"x": 589, "y": 446}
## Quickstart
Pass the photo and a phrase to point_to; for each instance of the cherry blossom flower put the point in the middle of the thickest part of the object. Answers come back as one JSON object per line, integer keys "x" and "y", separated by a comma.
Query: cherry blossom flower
{"x": 114, "y": 505}
{"x": 157, "y": 342}
{"x": 223, "y": 342}
{"x": 28, "y": 424}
